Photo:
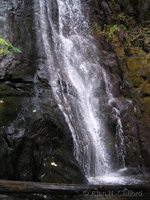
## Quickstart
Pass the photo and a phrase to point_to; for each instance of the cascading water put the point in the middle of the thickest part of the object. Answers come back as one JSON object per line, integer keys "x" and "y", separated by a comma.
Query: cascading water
{"x": 76, "y": 78}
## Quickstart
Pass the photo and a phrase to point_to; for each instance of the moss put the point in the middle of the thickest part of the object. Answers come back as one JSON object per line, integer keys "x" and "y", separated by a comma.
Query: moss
{"x": 138, "y": 52}
{"x": 135, "y": 79}
{"x": 132, "y": 48}
{"x": 115, "y": 41}
{"x": 97, "y": 30}
{"x": 147, "y": 44}
{"x": 145, "y": 88}
{"x": 148, "y": 57}
{"x": 135, "y": 63}
{"x": 120, "y": 51}
{"x": 147, "y": 105}
{"x": 131, "y": 51}
{"x": 145, "y": 73}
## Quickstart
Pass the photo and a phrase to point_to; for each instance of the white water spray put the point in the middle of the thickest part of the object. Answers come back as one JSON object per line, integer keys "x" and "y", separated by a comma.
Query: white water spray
{"x": 76, "y": 77}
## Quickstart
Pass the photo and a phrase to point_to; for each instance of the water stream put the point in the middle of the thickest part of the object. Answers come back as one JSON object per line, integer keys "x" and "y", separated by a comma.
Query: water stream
{"x": 76, "y": 78}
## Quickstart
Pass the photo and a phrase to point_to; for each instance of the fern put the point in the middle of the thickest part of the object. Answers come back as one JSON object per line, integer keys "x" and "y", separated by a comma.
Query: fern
{"x": 6, "y": 48}
{"x": 115, "y": 28}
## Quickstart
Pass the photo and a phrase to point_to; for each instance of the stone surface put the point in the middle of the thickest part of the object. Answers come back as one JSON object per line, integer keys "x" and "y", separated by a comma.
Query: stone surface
{"x": 129, "y": 70}
{"x": 33, "y": 134}
{"x": 147, "y": 44}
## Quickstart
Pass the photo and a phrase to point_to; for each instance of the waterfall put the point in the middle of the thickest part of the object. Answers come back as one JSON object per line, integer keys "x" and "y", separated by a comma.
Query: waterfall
{"x": 76, "y": 78}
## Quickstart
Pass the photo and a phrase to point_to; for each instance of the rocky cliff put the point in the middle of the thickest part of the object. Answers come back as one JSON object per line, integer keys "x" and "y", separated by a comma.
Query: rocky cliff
{"x": 123, "y": 26}
{"x": 35, "y": 142}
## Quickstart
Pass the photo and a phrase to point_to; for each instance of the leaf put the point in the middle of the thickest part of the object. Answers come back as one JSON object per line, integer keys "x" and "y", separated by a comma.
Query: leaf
{"x": 16, "y": 50}
{"x": 7, "y": 48}
{"x": 3, "y": 43}
{"x": 5, "y": 52}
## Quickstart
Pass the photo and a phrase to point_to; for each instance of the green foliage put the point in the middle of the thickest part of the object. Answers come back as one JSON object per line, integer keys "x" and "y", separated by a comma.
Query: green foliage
{"x": 109, "y": 31}
{"x": 115, "y": 28}
{"x": 6, "y": 48}
{"x": 122, "y": 17}
{"x": 97, "y": 28}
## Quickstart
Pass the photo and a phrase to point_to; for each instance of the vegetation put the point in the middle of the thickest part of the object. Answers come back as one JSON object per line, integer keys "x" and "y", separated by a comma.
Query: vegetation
{"x": 109, "y": 30}
{"x": 115, "y": 28}
{"x": 6, "y": 48}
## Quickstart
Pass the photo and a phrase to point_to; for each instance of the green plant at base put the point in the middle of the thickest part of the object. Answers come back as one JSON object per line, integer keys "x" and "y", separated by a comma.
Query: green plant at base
{"x": 6, "y": 48}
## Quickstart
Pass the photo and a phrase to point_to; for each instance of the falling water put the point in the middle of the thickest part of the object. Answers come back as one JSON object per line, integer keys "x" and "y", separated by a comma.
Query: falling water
{"x": 76, "y": 78}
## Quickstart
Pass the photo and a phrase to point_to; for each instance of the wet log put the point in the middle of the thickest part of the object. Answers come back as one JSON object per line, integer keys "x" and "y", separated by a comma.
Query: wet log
{"x": 7, "y": 187}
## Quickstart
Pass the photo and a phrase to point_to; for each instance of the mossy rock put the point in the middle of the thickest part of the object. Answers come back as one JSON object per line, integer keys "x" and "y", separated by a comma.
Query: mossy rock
{"x": 145, "y": 88}
{"x": 135, "y": 79}
{"x": 115, "y": 40}
{"x": 147, "y": 105}
{"x": 148, "y": 57}
{"x": 147, "y": 45}
{"x": 120, "y": 52}
{"x": 135, "y": 63}
{"x": 139, "y": 70}
{"x": 136, "y": 51}
{"x": 145, "y": 73}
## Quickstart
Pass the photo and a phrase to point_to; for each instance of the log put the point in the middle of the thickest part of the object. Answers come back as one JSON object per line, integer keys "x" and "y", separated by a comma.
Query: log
{"x": 7, "y": 187}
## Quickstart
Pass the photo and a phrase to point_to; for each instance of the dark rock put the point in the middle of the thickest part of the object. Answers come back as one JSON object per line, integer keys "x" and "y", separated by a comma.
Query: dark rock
{"x": 42, "y": 155}
{"x": 33, "y": 134}
{"x": 147, "y": 44}
{"x": 129, "y": 76}
{"x": 137, "y": 8}
{"x": 35, "y": 141}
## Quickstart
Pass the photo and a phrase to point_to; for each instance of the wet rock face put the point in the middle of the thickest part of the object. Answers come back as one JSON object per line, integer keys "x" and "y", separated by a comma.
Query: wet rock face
{"x": 133, "y": 71}
{"x": 33, "y": 135}
{"x": 129, "y": 73}
{"x": 138, "y": 8}
{"x": 42, "y": 155}
{"x": 35, "y": 143}
{"x": 17, "y": 72}
{"x": 126, "y": 107}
